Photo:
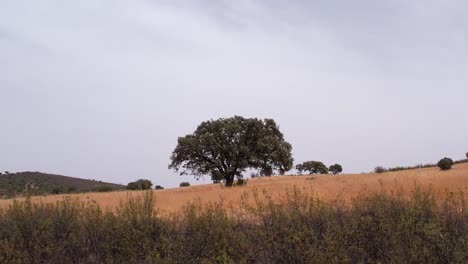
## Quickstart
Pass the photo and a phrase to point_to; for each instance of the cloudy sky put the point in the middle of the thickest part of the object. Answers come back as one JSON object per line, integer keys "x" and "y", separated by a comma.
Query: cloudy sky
{"x": 101, "y": 89}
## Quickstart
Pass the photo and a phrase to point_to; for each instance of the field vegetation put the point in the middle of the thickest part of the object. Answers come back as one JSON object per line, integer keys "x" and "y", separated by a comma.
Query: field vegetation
{"x": 380, "y": 228}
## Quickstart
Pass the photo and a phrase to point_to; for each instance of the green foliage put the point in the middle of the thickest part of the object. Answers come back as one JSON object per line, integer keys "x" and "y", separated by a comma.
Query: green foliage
{"x": 37, "y": 183}
{"x": 226, "y": 147}
{"x": 380, "y": 169}
{"x": 420, "y": 166}
{"x": 158, "y": 187}
{"x": 335, "y": 169}
{"x": 57, "y": 190}
{"x": 184, "y": 184}
{"x": 381, "y": 228}
{"x": 313, "y": 167}
{"x": 103, "y": 188}
{"x": 445, "y": 164}
{"x": 141, "y": 184}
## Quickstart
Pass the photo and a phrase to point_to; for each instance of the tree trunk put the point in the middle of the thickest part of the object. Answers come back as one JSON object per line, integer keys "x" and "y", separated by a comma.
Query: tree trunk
{"x": 229, "y": 180}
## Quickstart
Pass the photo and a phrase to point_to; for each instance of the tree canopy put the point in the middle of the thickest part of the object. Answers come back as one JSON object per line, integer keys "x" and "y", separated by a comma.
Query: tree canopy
{"x": 313, "y": 167}
{"x": 445, "y": 164}
{"x": 141, "y": 184}
{"x": 335, "y": 169}
{"x": 226, "y": 147}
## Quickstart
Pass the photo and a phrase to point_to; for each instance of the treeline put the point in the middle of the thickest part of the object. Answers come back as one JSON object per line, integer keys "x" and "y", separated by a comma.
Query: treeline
{"x": 301, "y": 229}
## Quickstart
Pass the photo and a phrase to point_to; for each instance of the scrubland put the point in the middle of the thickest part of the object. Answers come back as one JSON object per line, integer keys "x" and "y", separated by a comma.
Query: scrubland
{"x": 418, "y": 216}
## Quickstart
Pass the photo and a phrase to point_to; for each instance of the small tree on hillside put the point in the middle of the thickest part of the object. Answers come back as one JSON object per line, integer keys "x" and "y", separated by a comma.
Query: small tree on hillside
{"x": 158, "y": 187}
{"x": 466, "y": 155}
{"x": 445, "y": 164}
{"x": 184, "y": 184}
{"x": 313, "y": 167}
{"x": 335, "y": 169}
{"x": 141, "y": 184}
{"x": 380, "y": 169}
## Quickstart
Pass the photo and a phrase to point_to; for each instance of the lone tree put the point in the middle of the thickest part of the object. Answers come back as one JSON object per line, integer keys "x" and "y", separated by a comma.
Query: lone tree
{"x": 466, "y": 155}
{"x": 313, "y": 167}
{"x": 445, "y": 163}
{"x": 226, "y": 147}
{"x": 140, "y": 184}
{"x": 335, "y": 169}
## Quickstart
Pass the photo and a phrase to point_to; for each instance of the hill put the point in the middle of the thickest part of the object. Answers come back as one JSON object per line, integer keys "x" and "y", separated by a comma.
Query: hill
{"x": 37, "y": 183}
{"x": 329, "y": 188}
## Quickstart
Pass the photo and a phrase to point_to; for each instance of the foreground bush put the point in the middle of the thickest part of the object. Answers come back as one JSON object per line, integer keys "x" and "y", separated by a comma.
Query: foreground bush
{"x": 301, "y": 229}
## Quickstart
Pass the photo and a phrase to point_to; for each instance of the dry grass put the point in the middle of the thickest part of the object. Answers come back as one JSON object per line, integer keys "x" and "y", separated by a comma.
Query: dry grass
{"x": 326, "y": 187}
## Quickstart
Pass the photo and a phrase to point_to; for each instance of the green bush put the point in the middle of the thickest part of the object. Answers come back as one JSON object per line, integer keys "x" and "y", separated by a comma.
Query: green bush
{"x": 445, "y": 164}
{"x": 383, "y": 228}
{"x": 184, "y": 184}
{"x": 158, "y": 187}
{"x": 335, "y": 169}
{"x": 104, "y": 188}
{"x": 313, "y": 167}
{"x": 380, "y": 169}
{"x": 140, "y": 184}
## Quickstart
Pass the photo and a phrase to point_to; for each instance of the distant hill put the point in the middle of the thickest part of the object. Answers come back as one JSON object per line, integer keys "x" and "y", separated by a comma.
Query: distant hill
{"x": 38, "y": 183}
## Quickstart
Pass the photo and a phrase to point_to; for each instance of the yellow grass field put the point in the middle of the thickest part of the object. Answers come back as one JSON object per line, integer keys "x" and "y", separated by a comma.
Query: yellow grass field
{"x": 327, "y": 187}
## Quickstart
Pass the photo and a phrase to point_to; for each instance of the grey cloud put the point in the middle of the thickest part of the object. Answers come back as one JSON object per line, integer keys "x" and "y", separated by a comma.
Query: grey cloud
{"x": 102, "y": 89}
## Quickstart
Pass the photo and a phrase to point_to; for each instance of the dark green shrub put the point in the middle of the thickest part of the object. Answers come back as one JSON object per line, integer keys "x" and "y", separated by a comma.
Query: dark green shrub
{"x": 140, "y": 184}
{"x": 335, "y": 169}
{"x": 380, "y": 169}
{"x": 184, "y": 184}
{"x": 158, "y": 187}
{"x": 57, "y": 190}
{"x": 313, "y": 167}
{"x": 445, "y": 164}
{"x": 300, "y": 228}
{"x": 104, "y": 188}
{"x": 71, "y": 189}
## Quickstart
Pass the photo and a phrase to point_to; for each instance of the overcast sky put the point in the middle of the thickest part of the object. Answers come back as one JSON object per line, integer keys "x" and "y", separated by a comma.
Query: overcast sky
{"x": 101, "y": 89}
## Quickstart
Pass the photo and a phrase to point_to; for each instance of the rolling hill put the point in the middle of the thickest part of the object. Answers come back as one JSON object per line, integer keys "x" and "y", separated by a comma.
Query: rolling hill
{"x": 37, "y": 183}
{"x": 329, "y": 188}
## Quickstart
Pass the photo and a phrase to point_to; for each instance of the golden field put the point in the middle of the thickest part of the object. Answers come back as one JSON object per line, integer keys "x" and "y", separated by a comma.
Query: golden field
{"x": 326, "y": 187}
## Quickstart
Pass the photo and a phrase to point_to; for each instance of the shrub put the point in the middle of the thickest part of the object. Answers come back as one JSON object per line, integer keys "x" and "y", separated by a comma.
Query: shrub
{"x": 445, "y": 164}
{"x": 335, "y": 169}
{"x": 380, "y": 169}
{"x": 158, "y": 187}
{"x": 184, "y": 184}
{"x": 72, "y": 189}
{"x": 57, "y": 190}
{"x": 300, "y": 228}
{"x": 104, "y": 188}
{"x": 141, "y": 184}
{"x": 313, "y": 167}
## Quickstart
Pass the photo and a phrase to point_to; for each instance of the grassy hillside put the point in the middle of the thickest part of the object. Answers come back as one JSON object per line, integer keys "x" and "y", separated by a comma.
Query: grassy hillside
{"x": 329, "y": 188}
{"x": 37, "y": 183}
